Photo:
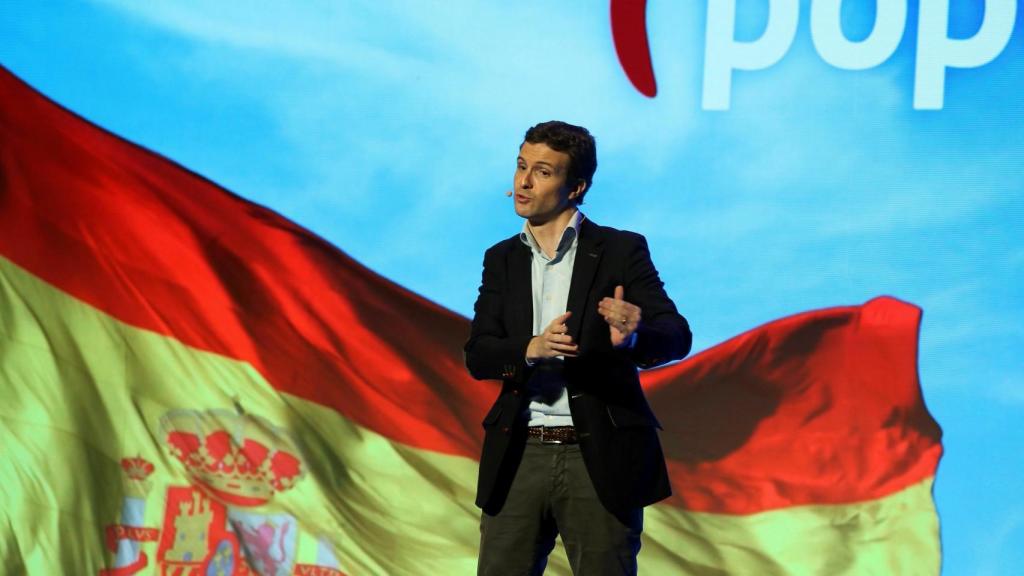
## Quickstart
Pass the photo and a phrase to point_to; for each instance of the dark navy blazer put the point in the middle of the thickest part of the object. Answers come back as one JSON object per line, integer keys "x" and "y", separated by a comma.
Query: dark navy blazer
{"x": 616, "y": 428}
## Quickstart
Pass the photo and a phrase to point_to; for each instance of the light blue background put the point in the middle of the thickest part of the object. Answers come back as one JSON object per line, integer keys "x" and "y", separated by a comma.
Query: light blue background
{"x": 391, "y": 129}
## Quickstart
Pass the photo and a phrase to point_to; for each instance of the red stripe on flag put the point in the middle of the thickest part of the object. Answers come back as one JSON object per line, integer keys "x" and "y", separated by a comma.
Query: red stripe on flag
{"x": 163, "y": 249}
{"x": 822, "y": 407}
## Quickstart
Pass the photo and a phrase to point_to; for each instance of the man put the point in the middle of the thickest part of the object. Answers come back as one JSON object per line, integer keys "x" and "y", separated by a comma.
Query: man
{"x": 566, "y": 313}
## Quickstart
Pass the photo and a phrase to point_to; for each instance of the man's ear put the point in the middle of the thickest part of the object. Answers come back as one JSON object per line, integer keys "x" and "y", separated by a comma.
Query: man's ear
{"x": 577, "y": 192}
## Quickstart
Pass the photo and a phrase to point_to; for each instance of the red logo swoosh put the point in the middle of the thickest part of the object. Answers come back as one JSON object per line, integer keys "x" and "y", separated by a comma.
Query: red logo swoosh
{"x": 629, "y": 32}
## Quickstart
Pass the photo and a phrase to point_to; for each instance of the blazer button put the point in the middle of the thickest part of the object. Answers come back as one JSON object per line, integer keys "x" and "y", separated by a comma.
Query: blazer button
{"x": 516, "y": 392}
{"x": 506, "y": 429}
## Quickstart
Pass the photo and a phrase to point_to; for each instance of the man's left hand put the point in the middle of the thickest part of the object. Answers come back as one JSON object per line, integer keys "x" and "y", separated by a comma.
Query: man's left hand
{"x": 621, "y": 316}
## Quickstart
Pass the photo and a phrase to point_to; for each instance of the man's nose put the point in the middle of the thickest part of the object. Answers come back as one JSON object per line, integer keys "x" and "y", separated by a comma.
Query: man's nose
{"x": 526, "y": 180}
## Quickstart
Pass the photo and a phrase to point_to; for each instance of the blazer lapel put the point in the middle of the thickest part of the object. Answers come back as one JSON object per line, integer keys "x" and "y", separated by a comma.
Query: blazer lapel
{"x": 520, "y": 277}
{"x": 588, "y": 257}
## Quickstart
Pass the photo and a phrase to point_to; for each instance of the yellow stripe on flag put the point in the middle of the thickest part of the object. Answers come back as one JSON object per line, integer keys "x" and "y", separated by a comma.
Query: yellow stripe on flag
{"x": 84, "y": 392}
{"x": 892, "y": 535}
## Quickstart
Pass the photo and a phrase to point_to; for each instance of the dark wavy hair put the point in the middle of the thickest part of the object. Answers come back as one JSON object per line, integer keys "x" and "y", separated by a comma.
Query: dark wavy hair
{"x": 576, "y": 141}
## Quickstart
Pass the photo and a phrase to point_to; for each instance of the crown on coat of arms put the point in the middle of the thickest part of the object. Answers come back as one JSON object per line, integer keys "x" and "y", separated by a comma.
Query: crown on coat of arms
{"x": 240, "y": 458}
{"x": 136, "y": 471}
{"x": 137, "y": 468}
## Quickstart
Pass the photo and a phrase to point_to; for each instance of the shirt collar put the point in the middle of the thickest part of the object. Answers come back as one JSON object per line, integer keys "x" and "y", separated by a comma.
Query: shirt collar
{"x": 568, "y": 235}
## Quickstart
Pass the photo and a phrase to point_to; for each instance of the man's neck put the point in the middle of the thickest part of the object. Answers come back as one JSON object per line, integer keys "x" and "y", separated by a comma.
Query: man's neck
{"x": 548, "y": 234}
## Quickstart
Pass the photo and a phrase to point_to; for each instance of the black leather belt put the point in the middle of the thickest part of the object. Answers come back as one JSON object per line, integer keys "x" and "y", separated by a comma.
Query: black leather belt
{"x": 553, "y": 434}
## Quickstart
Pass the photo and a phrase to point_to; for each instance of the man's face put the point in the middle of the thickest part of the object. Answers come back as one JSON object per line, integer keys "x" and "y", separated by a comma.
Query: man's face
{"x": 541, "y": 189}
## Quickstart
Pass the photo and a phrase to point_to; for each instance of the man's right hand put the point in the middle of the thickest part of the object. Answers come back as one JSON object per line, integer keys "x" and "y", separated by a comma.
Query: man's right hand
{"x": 554, "y": 341}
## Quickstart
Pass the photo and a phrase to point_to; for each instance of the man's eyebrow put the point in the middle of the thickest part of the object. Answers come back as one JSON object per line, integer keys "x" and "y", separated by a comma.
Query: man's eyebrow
{"x": 543, "y": 163}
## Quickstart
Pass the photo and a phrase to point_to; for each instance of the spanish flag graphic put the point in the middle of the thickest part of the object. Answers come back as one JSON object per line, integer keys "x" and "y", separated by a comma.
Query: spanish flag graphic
{"x": 190, "y": 384}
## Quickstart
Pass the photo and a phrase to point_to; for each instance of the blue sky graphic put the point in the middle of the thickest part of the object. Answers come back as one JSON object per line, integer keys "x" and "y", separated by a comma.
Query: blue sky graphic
{"x": 391, "y": 129}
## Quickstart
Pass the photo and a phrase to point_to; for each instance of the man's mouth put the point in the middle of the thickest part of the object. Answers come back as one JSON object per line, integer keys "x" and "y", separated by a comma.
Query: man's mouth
{"x": 522, "y": 198}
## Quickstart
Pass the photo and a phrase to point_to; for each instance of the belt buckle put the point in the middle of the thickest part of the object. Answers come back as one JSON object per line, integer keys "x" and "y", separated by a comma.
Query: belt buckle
{"x": 543, "y": 438}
